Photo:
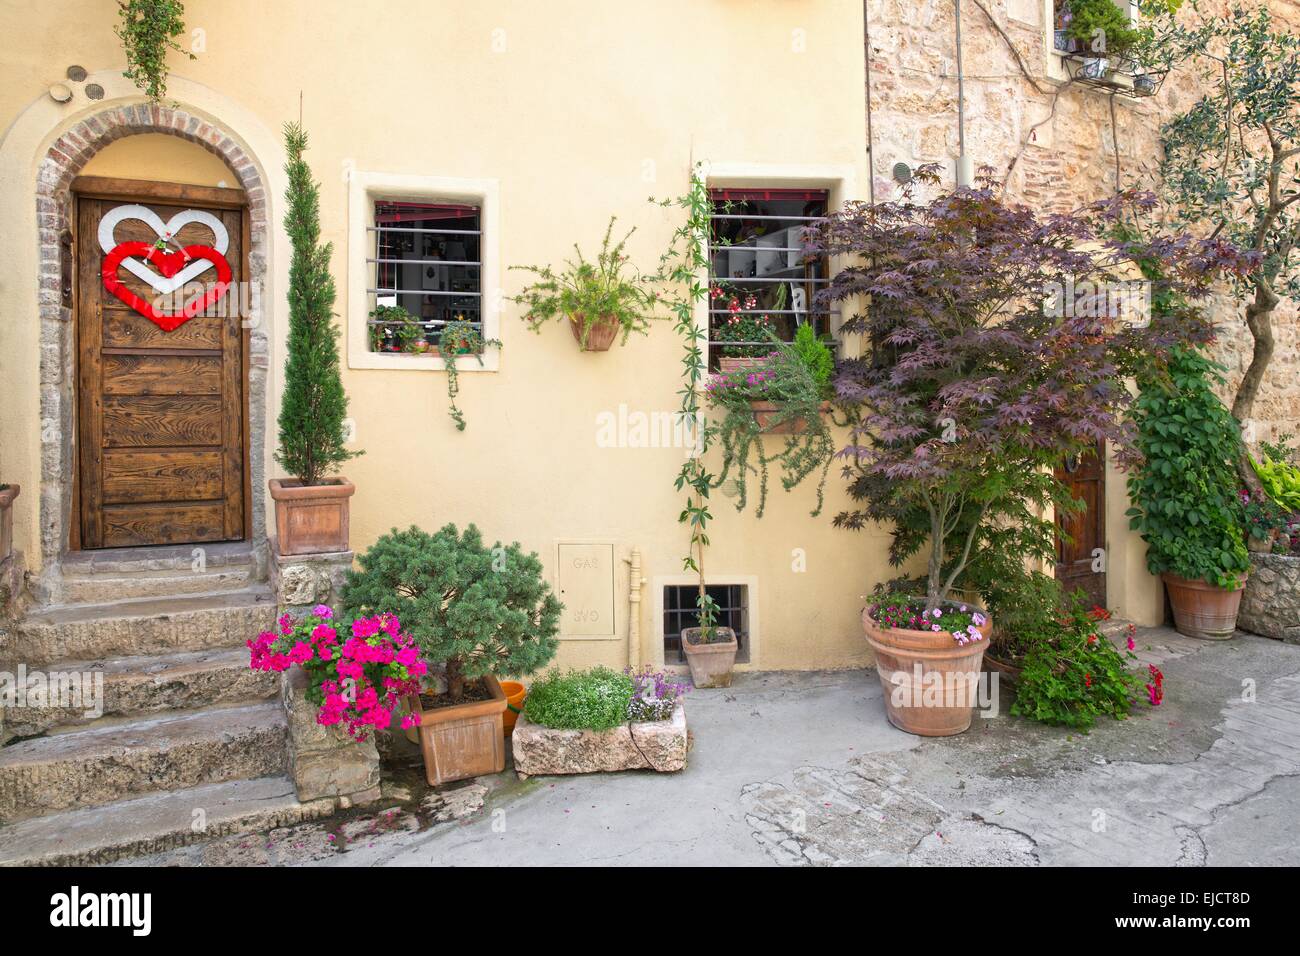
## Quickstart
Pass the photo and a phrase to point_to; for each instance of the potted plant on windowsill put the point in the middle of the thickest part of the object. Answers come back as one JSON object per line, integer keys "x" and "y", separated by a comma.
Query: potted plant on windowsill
{"x": 1185, "y": 501}
{"x": 311, "y": 508}
{"x": 600, "y": 299}
{"x": 749, "y": 331}
{"x": 475, "y": 611}
{"x": 1104, "y": 34}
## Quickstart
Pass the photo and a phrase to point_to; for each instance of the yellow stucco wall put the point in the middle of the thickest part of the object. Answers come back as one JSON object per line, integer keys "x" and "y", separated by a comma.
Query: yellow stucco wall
{"x": 578, "y": 110}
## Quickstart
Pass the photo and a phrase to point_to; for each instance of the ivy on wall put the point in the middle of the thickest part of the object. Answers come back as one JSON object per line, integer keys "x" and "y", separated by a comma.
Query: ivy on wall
{"x": 148, "y": 29}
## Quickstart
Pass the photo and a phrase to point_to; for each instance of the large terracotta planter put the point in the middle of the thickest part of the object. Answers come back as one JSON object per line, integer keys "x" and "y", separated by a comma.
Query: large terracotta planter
{"x": 600, "y": 336}
{"x": 711, "y": 664}
{"x": 1202, "y": 609}
{"x": 7, "y": 496}
{"x": 734, "y": 363}
{"x": 311, "y": 519}
{"x": 765, "y": 414}
{"x": 915, "y": 701}
{"x": 466, "y": 740}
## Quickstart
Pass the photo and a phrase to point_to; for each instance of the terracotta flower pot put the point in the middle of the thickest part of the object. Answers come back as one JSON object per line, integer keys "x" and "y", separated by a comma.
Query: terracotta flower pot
{"x": 515, "y": 693}
{"x": 1261, "y": 545}
{"x": 734, "y": 363}
{"x": 765, "y": 415}
{"x": 464, "y": 740}
{"x": 711, "y": 664}
{"x": 1202, "y": 609}
{"x": 311, "y": 519}
{"x": 930, "y": 681}
{"x": 7, "y": 496}
{"x": 600, "y": 336}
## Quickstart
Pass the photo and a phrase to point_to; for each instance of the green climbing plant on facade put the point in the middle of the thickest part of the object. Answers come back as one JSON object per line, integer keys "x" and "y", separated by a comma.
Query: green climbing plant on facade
{"x": 148, "y": 30}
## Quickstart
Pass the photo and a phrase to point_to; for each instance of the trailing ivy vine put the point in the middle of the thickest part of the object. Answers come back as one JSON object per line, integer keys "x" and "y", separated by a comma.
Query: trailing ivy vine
{"x": 148, "y": 29}
{"x": 680, "y": 268}
{"x": 459, "y": 339}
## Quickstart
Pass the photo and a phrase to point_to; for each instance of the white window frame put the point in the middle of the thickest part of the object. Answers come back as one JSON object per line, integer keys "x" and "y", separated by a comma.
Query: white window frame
{"x": 364, "y": 190}
{"x": 748, "y": 581}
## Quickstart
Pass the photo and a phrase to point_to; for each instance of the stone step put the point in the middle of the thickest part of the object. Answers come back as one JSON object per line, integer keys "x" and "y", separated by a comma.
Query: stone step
{"x": 100, "y": 765}
{"x": 155, "y": 823}
{"x": 138, "y": 686}
{"x": 105, "y": 588}
{"x": 190, "y": 622}
{"x": 116, "y": 574}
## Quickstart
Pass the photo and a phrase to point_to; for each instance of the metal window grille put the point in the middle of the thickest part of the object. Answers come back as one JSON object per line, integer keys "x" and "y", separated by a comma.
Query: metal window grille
{"x": 760, "y": 275}
{"x": 681, "y": 611}
{"x": 427, "y": 260}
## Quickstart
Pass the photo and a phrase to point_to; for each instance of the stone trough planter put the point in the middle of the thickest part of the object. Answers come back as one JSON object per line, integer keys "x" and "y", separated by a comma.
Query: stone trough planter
{"x": 650, "y": 745}
{"x": 1270, "y": 602}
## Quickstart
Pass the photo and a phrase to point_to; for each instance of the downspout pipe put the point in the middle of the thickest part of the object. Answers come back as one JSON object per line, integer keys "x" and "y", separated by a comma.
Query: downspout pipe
{"x": 634, "y": 582}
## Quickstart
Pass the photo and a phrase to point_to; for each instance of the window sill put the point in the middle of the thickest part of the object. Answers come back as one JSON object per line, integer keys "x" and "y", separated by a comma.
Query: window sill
{"x": 423, "y": 363}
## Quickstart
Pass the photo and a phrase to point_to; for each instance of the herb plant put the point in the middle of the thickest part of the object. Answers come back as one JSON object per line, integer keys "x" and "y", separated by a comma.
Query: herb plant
{"x": 595, "y": 699}
{"x": 148, "y": 29}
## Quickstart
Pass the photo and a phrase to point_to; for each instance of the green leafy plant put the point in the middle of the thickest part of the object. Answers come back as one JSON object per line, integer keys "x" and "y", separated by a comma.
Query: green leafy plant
{"x": 458, "y": 340}
{"x": 148, "y": 29}
{"x": 788, "y": 383}
{"x": 817, "y": 356}
{"x": 609, "y": 289}
{"x": 1281, "y": 480}
{"x": 1072, "y": 674}
{"x": 314, "y": 405}
{"x": 1282, "y": 450}
{"x": 1101, "y": 28}
{"x": 476, "y": 610}
{"x": 595, "y": 699}
{"x": 400, "y": 325}
{"x": 1185, "y": 492}
{"x": 754, "y": 329}
{"x": 679, "y": 268}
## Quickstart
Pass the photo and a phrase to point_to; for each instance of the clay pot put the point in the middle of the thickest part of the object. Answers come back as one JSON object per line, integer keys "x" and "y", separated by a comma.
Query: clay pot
{"x": 734, "y": 363}
{"x": 765, "y": 414}
{"x": 311, "y": 519}
{"x": 711, "y": 664}
{"x": 515, "y": 693}
{"x": 1008, "y": 672}
{"x": 904, "y": 660}
{"x": 600, "y": 336}
{"x": 1202, "y": 609}
{"x": 7, "y": 496}
{"x": 1261, "y": 545}
{"x": 465, "y": 740}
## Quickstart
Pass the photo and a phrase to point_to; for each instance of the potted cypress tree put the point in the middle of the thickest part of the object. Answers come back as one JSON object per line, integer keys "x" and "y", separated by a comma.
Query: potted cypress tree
{"x": 477, "y": 611}
{"x": 311, "y": 508}
{"x": 1185, "y": 501}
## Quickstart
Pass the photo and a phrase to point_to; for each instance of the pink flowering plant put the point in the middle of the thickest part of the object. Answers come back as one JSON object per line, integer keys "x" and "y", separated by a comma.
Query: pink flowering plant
{"x": 962, "y": 621}
{"x": 356, "y": 677}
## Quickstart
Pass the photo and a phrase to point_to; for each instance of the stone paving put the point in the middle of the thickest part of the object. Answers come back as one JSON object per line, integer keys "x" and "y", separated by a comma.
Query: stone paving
{"x": 802, "y": 769}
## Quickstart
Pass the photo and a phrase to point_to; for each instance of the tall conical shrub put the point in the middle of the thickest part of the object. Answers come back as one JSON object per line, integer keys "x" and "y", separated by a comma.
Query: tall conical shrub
{"x": 314, "y": 406}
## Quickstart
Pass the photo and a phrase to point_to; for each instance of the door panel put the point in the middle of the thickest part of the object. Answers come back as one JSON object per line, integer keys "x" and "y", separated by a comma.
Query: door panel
{"x": 1081, "y": 535}
{"x": 161, "y": 424}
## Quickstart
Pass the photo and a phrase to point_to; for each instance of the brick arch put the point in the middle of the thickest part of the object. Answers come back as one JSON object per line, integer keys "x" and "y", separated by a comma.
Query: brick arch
{"x": 60, "y": 165}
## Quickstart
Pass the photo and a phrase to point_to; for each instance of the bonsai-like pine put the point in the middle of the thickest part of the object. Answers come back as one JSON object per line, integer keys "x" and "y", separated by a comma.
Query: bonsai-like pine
{"x": 992, "y": 358}
{"x": 314, "y": 404}
{"x": 1184, "y": 496}
{"x": 148, "y": 29}
{"x": 477, "y": 610}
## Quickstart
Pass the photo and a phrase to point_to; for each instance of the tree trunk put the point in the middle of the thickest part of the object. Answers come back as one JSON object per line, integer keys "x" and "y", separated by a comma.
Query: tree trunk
{"x": 455, "y": 679}
{"x": 1259, "y": 319}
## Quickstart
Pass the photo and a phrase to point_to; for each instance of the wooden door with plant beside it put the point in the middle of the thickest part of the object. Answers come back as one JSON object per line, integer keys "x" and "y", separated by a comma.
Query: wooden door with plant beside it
{"x": 161, "y": 399}
{"x": 1081, "y": 535}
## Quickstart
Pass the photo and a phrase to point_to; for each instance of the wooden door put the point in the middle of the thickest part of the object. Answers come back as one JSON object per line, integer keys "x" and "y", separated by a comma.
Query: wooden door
{"x": 161, "y": 414}
{"x": 1081, "y": 536}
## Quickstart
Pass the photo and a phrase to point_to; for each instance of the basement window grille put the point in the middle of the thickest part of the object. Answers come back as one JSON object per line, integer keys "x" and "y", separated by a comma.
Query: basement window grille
{"x": 427, "y": 261}
{"x": 682, "y": 611}
{"x": 760, "y": 275}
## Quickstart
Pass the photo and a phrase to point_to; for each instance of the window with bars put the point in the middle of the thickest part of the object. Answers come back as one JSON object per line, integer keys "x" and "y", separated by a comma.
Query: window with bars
{"x": 681, "y": 611}
{"x": 427, "y": 271}
{"x": 761, "y": 279}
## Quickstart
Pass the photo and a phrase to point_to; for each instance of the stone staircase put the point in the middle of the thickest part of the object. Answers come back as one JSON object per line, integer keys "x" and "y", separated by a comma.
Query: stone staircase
{"x": 188, "y": 744}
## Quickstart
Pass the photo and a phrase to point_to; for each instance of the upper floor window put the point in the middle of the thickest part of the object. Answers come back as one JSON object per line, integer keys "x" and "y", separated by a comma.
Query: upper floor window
{"x": 427, "y": 271}
{"x": 761, "y": 279}
{"x": 1097, "y": 43}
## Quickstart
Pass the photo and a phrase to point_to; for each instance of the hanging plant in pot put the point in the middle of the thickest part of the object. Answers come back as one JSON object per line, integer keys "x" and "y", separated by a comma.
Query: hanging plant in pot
{"x": 975, "y": 379}
{"x": 600, "y": 300}
{"x": 1103, "y": 34}
{"x": 311, "y": 508}
{"x": 475, "y": 612}
{"x": 1185, "y": 495}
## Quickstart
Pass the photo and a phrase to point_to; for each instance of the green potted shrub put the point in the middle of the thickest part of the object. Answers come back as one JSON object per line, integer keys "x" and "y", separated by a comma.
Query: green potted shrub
{"x": 1184, "y": 496}
{"x": 600, "y": 299}
{"x": 1103, "y": 32}
{"x": 311, "y": 508}
{"x": 478, "y": 612}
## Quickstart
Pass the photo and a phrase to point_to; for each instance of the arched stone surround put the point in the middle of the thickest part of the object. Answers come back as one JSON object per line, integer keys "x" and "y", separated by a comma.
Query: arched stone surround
{"x": 62, "y": 162}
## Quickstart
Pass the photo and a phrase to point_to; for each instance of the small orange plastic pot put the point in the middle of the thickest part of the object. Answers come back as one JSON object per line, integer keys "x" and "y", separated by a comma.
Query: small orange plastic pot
{"x": 515, "y": 693}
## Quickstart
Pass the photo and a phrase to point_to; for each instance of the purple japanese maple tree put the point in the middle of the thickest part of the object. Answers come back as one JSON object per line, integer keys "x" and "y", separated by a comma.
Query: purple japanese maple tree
{"x": 999, "y": 341}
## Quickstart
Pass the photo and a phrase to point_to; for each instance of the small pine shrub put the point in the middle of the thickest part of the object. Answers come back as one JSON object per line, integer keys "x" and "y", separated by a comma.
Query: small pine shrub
{"x": 596, "y": 699}
{"x": 816, "y": 356}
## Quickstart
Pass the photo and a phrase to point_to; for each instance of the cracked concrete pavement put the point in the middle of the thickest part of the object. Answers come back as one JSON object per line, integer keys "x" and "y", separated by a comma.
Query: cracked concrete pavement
{"x": 803, "y": 769}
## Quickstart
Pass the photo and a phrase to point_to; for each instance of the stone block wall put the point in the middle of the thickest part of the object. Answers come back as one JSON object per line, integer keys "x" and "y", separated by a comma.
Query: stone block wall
{"x": 1270, "y": 603}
